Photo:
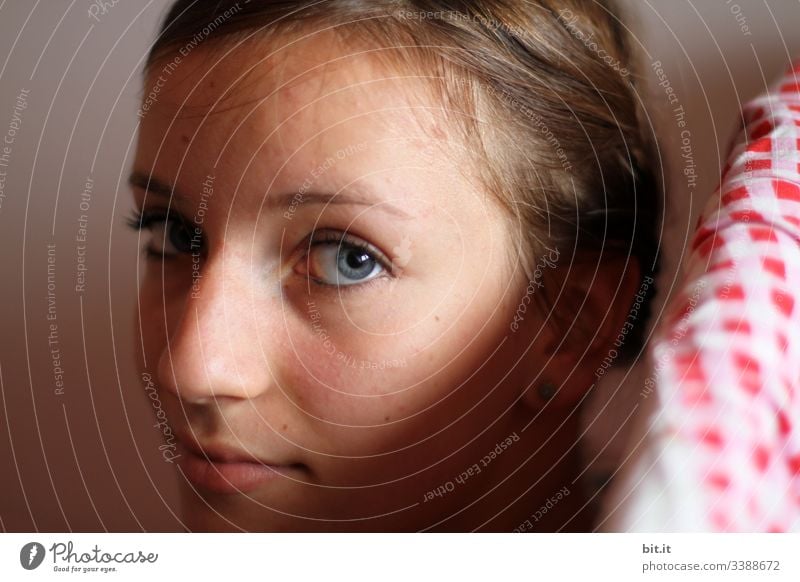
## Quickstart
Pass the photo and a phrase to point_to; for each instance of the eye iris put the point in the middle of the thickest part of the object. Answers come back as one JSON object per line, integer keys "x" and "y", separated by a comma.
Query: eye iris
{"x": 180, "y": 237}
{"x": 355, "y": 263}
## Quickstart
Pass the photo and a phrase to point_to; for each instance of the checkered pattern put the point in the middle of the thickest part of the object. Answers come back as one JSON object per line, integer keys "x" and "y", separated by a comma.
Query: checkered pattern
{"x": 722, "y": 445}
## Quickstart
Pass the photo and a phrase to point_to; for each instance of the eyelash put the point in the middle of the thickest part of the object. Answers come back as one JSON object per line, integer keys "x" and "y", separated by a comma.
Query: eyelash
{"x": 140, "y": 220}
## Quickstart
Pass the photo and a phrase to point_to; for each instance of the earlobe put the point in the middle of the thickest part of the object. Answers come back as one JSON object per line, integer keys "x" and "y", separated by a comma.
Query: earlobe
{"x": 597, "y": 300}
{"x": 563, "y": 385}
{"x": 559, "y": 385}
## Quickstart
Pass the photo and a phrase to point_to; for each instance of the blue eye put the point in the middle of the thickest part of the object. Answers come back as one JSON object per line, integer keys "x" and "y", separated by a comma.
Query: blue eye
{"x": 342, "y": 261}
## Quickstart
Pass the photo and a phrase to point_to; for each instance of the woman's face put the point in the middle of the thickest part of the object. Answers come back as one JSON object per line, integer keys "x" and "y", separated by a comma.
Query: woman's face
{"x": 327, "y": 300}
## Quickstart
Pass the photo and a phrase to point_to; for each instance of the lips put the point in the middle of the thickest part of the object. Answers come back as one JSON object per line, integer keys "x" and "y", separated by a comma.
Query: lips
{"x": 219, "y": 469}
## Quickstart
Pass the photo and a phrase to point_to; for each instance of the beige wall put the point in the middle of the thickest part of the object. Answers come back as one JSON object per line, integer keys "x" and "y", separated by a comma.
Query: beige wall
{"x": 88, "y": 459}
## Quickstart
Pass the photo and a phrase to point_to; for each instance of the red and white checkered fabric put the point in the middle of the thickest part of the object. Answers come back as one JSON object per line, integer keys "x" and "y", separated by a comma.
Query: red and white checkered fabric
{"x": 721, "y": 449}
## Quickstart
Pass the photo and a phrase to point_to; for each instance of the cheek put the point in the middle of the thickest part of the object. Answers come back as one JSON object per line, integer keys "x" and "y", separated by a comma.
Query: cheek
{"x": 343, "y": 375}
{"x": 355, "y": 405}
{"x": 150, "y": 323}
{"x": 160, "y": 307}
{"x": 340, "y": 385}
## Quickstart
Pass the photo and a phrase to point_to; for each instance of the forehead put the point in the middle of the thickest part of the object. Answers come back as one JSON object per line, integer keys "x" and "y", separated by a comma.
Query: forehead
{"x": 319, "y": 79}
{"x": 271, "y": 111}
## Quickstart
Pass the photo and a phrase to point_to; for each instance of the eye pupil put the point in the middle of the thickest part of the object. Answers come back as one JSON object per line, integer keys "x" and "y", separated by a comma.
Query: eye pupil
{"x": 180, "y": 237}
{"x": 355, "y": 264}
{"x": 356, "y": 260}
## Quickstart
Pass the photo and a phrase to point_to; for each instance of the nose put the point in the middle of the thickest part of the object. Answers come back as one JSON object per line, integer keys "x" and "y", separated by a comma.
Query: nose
{"x": 214, "y": 349}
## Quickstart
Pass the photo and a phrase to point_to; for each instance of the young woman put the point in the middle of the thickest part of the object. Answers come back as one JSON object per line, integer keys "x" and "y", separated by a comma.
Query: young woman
{"x": 389, "y": 245}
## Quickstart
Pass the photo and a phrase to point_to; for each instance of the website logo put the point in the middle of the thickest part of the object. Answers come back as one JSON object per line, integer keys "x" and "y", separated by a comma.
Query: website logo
{"x": 31, "y": 555}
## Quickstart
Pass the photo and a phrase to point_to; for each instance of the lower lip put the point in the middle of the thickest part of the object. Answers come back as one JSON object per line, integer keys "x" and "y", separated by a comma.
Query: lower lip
{"x": 229, "y": 478}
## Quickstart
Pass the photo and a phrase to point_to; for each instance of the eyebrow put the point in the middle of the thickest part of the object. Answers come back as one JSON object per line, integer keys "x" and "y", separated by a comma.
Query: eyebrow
{"x": 289, "y": 200}
{"x": 356, "y": 197}
{"x": 153, "y": 185}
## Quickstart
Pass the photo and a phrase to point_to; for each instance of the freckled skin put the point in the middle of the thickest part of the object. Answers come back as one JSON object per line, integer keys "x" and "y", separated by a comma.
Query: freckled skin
{"x": 249, "y": 363}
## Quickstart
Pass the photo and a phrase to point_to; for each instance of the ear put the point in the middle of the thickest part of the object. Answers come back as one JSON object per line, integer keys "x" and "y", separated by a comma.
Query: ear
{"x": 591, "y": 301}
